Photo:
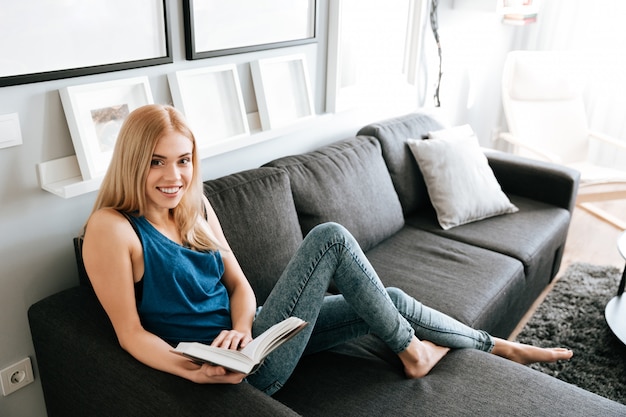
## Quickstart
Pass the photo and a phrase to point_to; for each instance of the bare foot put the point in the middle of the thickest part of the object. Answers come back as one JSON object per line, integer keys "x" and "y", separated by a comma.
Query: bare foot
{"x": 420, "y": 357}
{"x": 526, "y": 354}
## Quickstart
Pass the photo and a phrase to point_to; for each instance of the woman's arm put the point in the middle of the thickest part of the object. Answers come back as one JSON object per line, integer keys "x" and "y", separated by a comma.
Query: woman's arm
{"x": 113, "y": 260}
{"x": 242, "y": 298}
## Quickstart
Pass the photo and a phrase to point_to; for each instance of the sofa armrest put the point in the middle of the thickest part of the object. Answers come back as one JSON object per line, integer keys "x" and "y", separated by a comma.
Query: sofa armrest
{"x": 84, "y": 371}
{"x": 543, "y": 181}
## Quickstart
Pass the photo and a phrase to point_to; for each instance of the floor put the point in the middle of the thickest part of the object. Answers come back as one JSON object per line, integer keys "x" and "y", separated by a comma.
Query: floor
{"x": 589, "y": 240}
{"x": 592, "y": 240}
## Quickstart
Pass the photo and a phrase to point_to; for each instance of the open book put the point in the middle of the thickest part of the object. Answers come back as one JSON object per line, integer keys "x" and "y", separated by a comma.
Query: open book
{"x": 250, "y": 357}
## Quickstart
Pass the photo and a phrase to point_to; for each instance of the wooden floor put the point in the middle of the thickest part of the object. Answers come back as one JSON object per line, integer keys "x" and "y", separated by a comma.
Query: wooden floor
{"x": 589, "y": 240}
{"x": 592, "y": 240}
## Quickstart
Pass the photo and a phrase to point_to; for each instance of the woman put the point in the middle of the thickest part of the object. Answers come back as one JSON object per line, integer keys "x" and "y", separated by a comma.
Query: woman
{"x": 163, "y": 271}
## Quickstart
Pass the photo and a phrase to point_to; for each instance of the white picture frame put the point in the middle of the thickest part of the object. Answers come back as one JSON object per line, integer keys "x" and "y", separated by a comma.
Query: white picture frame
{"x": 66, "y": 39}
{"x": 95, "y": 113}
{"x": 216, "y": 27}
{"x": 283, "y": 90}
{"x": 212, "y": 102}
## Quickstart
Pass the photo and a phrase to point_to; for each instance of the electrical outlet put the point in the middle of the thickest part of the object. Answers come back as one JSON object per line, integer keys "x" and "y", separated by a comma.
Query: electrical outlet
{"x": 16, "y": 376}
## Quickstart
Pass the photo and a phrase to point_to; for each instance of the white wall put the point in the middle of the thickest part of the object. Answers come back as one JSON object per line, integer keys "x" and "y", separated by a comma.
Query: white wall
{"x": 474, "y": 44}
{"x": 37, "y": 227}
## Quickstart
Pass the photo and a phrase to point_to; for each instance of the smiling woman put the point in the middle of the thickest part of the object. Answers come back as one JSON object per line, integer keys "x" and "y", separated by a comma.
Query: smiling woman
{"x": 150, "y": 210}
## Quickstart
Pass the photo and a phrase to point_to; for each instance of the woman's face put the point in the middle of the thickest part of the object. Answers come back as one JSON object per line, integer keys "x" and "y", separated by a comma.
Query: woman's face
{"x": 171, "y": 171}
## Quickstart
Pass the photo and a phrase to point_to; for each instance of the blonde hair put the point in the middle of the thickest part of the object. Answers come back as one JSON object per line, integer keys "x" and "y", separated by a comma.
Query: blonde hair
{"x": 124, "y": 185}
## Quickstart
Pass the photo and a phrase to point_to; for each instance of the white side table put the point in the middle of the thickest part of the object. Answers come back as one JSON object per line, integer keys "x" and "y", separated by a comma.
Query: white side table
{"x": 615, "y": 311}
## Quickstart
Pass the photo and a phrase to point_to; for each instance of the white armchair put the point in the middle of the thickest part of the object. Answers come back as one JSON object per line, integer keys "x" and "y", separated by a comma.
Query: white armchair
{"x": 542, "y": 96}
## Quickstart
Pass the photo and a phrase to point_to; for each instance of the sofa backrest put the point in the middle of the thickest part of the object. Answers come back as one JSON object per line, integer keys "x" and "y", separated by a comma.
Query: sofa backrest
{"x": 348, "y": 183}
{"x": 258, "y": 216}
{"x": 405, "y": 174}
{"x": 83, "y": 278}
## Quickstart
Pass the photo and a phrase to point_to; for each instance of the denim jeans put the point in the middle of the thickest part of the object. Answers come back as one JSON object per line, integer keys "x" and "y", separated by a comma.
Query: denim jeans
{"x": 330, "y": 252}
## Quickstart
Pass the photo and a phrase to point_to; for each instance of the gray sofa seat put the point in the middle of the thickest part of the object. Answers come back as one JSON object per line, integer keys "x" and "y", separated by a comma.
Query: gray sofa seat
{"x": 476, "y": 286}
{"x": 509, "y": 234}
{"x": 349, "y": 382}
{"x": 535, "y": 236}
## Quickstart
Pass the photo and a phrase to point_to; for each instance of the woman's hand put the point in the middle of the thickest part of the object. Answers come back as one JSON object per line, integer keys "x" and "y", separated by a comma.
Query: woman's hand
{"x": 232, "y": 339}
{"x": 212, "y": 374}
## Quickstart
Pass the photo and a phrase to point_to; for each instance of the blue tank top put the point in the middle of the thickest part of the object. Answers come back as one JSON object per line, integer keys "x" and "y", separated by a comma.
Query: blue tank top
{"x": 183, "y": 297}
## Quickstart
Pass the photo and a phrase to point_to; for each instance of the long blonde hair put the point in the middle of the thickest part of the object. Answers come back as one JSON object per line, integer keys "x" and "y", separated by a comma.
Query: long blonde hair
{"x": 124, "y": 185}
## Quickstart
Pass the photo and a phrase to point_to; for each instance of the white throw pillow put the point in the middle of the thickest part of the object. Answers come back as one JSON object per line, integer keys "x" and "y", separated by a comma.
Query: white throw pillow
{"x": 460, "y": 182}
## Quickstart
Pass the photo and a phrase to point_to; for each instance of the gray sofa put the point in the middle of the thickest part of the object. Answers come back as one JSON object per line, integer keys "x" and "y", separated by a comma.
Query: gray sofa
{"x": 485, "y": 274}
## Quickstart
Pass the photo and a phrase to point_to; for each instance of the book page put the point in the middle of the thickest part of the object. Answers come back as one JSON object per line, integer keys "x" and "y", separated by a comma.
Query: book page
{"x": 278, "y": 333}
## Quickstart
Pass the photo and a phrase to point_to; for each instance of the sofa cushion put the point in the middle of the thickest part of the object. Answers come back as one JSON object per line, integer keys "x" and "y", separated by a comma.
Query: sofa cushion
{"x": 365, "y": 378}
{"x": 476, "y": 286}
{"x": 258, "y": 215}
{"x": 405, "y": 174}
{"x": 460, "y": 183}
{"x": 534, "y": 235}
{"x": 347, "y": 183}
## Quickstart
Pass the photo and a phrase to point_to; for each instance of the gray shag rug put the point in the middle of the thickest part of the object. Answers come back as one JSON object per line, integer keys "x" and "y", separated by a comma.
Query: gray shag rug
{"x": 572, "y": 316}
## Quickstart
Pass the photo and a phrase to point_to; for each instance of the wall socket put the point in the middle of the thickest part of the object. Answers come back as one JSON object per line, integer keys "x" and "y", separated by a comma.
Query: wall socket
{"x": 16, "y": 376}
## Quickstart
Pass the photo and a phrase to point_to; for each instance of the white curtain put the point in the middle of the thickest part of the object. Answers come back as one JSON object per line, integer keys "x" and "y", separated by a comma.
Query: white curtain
{"x": 596, "y": 28}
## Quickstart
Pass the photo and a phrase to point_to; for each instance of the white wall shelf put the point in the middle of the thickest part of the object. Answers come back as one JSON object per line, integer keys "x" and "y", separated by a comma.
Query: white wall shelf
{"x": 62, "y": 176}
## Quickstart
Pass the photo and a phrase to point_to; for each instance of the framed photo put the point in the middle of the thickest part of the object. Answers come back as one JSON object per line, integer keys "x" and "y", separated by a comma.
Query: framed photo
{"x": 282, "y": 89}
{"x": 61, "y": 39}
{"x": 217, "y": 27}
{"x": 212, "y": 102}
{"x": 95, "y": 113}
